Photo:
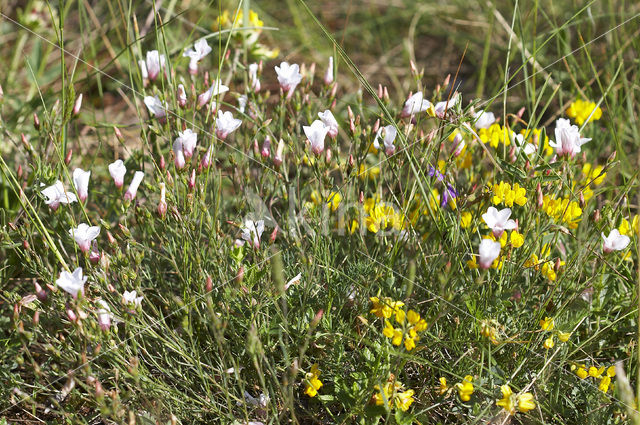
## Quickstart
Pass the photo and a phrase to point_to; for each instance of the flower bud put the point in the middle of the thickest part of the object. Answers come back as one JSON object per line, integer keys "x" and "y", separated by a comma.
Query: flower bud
{"x": 266, "y": 147}
{"x": 380, "y": 92}
{"x": 77, "y": 105}
{"x": 596, "y": 216}
{"x": 328, "y": 76}
{"x": 182, "y": 96}
{"x": 71, "y": 315}
{"x": 162, "y": 205}
{"x": 36, "y": 318}
{"x": 328, "y": 155}
{"x": 192, "y": 179}
{"x": 274, "y": 235}
{"x": 256, "y": 148}
{"x": 209, "y": 285}
{"x": 278, "y": 158}
{"x": 36, "y": 121}
{"x": 539, "y": 195}
{"x": 239, "y": 275}
{"x": 67, "y": 158}
{"x": 19, "y": 172}
{"x": 162, "y": 164}
{"x": 40, "y": 293}
{"x": 94, "y": 255}
{"x": 118, "y": 134}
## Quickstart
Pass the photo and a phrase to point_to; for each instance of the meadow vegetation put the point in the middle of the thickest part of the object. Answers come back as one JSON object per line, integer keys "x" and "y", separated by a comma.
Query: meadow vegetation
{"x": 289, "y": 211}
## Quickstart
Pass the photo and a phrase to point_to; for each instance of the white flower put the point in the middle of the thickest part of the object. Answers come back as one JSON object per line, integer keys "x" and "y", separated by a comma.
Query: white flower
{"x": 279, "y": 155}
{"x": 156, "y": 106}
{"x": 288, "y": 76}
{"x": 56, "y": 195}
{"x": 296, "y": 279}
{"x": 458, "y": 144}
{"x": 483, "y": 119}
{"x": 84, "y": 235}
{"x": 225, "y": 124}
{"x": 104, "y": 315}
{"x": 143, "y": 69}
{"x": 260, "y": 401}
{"x": 131, "y": 299}
{"x": 81, "y": 182}
{"x": 117, "y": 171}
{"x": 72, "y": 282}
{"x": 442, "y": 107}
{"x": 615, "y": 241}
{"x": 328, "y": 76}
{"x": 329, "y": 120}
{"x": 499, "y": 221}
{"x": 520, "y": 144}
{"x": 390, "y": 133}
{"x": 155, "y": 63}
{"x": 316, "y": 132}
{"x": 414, "y": 105}
{"x": 253, "y": 77}
{"x": 199, "y": 51}
{"x": 488, "y": 251}
{"x": 252, "y": 231}
{"x": 242, "y": 103}
{"x": 214, "y": 90}
{"x": 568, "y": 140}
{"x": 189, "y": 140}
{"x": 133, "y": 186}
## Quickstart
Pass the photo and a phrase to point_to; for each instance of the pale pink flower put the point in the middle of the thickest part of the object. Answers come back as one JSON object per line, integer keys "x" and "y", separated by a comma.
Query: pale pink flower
{"x": 441, "y": 108}
{"x": 483, "y": 119}
{"x": 289, "y": 77}
{"x": 131, "y": 299}
{"x": 316, "y": 133}
{"x": 56, "y": 195}
{"x": 499, "y": 221}
{"x": 189, "y": 141}
{"x": 199, "y": 51}
{"x": 390, "y": 133}
{"x": 279, "y": 155}
{"x": 72, "y": 282}
{"x": 84, "y": 235}
{"x": 252, "y": 232}
{"x": 104, "y": 315}
{"x": 568, "y": 141}
{"x": 156, "y": 106}
{"x": 328, "y": 76}
{"x": 117, "y": 171}
{"x": 178, "y": 154}
{"x": 81, "y": 182}
{"x": 182, "y": 96}
{"x": 253, "y": 77}
{"x": 488, "y": 251}
{"x": 214, "y": 90}
{"x": 414, "y": 105}
{"x": 133, "y": 186}
{"x": 206, "y": 159}
{"x": 225, "y": 124}
{"x": 615, "y": 241}
{"x": 77, "y": 105}
{"x": 329, "y": 120}
{"x": 154, "y": 64}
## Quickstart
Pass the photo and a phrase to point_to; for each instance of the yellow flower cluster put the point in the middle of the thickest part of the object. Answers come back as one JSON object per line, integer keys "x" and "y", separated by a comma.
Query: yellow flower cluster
{"x": 547, "y": 324}
{"x": 465, "y": 388}
{"x": 503, "y": 193}
{"x": 533, "y": 135}
{"x": 313, "y": 383}
{"x": 410, "y": 322}
{"x": 495, "y": 134}
{"x": 562, "y": 210}
{"x": 368, "y": 172}
{"x": 392, "y": 394}
{"x": 592, "y": 176}
{"x": 629, "y": 229}
{"x": 225, "y": 20}
{"x": 546, "y": 267}
{"x": 580, "y": 110}
{"x": 509, "y": 402}
{"x": 516, "y": 239}
{"x": 601, "y": 373}
{"x": 380, "y": 216}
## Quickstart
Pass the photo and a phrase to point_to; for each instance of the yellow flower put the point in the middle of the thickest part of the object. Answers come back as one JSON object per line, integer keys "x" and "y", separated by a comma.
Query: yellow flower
{"x": 547, "y": 324}
{"x": 443, "y": 385}
{"x": 548, "y": 343}
{"x": 313, "y": 383}
{"x": 595, "y": 372}
{"x": 365, "y": 172}
{"x": 413, "y": 317}
{"x": 507, "y": 402}
{"x": 517, "y": 240}
{"x": 580, "y": 371}
{"x": 465, "y": 219}
{"x": 564, "y": 336}
{"x": 611, "y": 371}
{"x": 604, "y": 384}
{"x": 333, "y": 201}
{"x": 404, "y": 399}
{"x": 525, "y": 402}
{"x": 581, "y": 109}
{"x": 409, "y": 343}
{"x": 465, "y": 388}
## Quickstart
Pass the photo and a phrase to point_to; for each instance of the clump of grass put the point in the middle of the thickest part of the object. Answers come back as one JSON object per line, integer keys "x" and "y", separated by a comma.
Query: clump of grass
{"x": 261, "y": 241}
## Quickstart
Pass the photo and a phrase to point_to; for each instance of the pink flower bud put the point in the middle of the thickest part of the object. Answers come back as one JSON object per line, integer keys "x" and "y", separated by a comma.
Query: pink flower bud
{"x": 182, "y": 96}
{"x": 71, "y": 315}
{"x": 192, "y": 179}
{"x": 36, "y": 121}
{"x": 94, "y": 255}
{"x": 133, "y": 187}
{"x": 278, "y": 158}
{"x": 67, "y": 158}
{"x": 40, "y": 293}
{"x": 266, "y": 147}
{"x": 77, "y": 105}
{"x": 328, "y": 75}
{"x": 162, "y": 205}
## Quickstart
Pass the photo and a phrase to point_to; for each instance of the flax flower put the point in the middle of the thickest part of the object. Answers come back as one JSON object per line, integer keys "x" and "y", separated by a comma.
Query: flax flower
{"x": 199, "y": 51}
{"x": 81, "y": 182}
{"x": 56, "y": 195}
{"x": 72, "y": 282}
{"x": 84, "y": 235}
{"x": 316, "y": 133}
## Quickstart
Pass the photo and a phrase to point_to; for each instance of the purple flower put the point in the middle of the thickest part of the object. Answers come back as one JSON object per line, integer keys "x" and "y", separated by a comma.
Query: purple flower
{"x": 435, "y": 172}
{"x": 448, "y": 194}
